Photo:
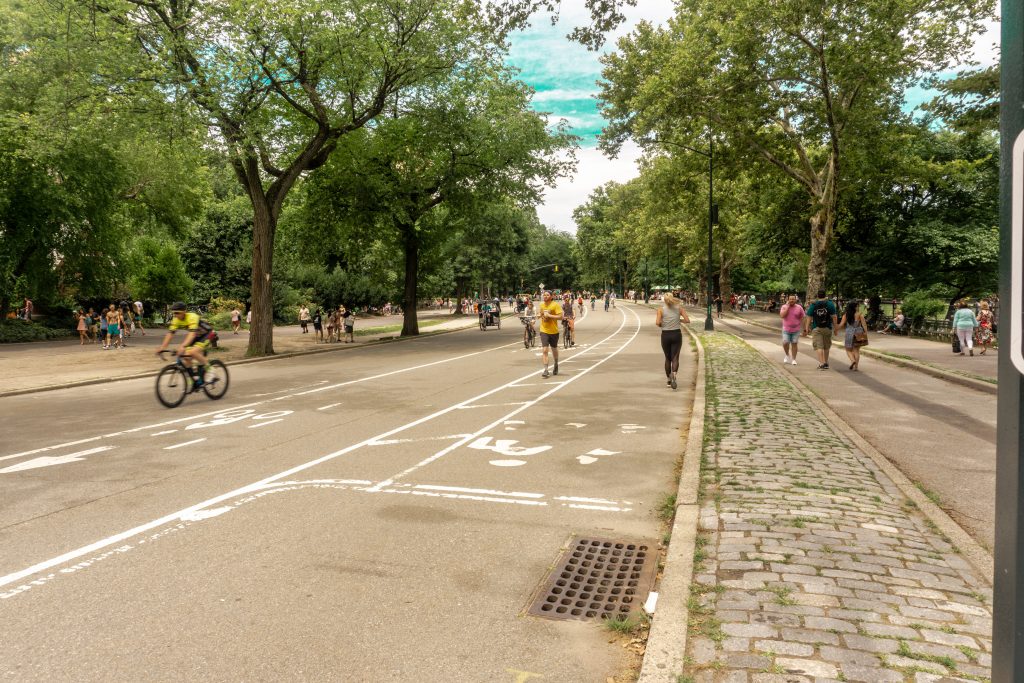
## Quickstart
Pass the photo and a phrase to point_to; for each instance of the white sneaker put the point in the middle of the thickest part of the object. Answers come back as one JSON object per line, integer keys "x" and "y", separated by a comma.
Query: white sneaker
{"x": 785, "y": 360}
{"x": 793, "y": 362}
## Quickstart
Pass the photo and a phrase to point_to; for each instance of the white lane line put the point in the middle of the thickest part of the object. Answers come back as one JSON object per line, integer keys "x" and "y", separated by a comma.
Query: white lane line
{"x": 598, "y": 501}
{"x": 182, "y": 445}
{"x": 175, "y": 517}
{"x": 460, "y": 496}
{"x": 528, "y": 404}
{"x": 492, "y": 405}
{"x": 166, "y": 431}
{"x": 603, "y": 508}
{"x": 391, "y": 442}
{"x": 459, "y": 489}
{"x": 48, "y": 460}
{"x": 249, "y": 405}
{"x": 329, "y": 406}
{"x": 264, "y": 424}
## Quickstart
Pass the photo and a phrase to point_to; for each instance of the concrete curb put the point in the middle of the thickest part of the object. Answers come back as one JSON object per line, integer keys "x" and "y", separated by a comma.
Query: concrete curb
{"x": 970, "y": 382}
{"x": 664, "y": 659}
{"x": 240, "y": 361}
{"x": 970, "y": 549}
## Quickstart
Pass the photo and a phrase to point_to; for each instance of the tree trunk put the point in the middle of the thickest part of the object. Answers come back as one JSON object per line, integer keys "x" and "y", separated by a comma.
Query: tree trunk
{"x": 821, "y": 231}
{"x": 261, "y": 331}
{"x": 410, "y": 325}
{"x": 822, "y": 224}
{"x": 724, "y": 276}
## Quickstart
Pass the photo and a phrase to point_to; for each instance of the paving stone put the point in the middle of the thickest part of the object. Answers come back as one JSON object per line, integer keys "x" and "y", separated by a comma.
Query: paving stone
{"x": 782, "y": 647}
{"x": 750, "y": 630}
{"x": 816, "y": 551}
{"x": 953, "y": 639}
{"x": 810, "y": 667}
{"x": 746, "y": 660}
{"x": 890, "y": 631}
{"x": 880, "y": 645}
{"x": 826, "y": 624}
{"x": 869, "y": 674}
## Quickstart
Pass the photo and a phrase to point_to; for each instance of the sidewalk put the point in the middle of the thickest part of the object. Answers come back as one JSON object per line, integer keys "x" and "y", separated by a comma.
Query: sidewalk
{"x": 811, "y": 564}
{"x": 42, "y": 365}
{"x": 930, "y": 353}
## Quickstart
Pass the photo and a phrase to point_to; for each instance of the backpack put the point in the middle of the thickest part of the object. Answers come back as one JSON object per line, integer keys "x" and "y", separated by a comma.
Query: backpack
{"x": 822, "y": 316}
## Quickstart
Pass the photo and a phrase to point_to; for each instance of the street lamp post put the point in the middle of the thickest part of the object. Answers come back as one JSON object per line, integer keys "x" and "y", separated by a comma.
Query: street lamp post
{"x": 709, "y": 321}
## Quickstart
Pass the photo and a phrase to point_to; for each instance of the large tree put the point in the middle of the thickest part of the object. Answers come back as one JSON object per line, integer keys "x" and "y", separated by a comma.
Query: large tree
{"x": 796, "y": 83}
{"x": 279, "y": 84}
{"x": 463, "y": 144}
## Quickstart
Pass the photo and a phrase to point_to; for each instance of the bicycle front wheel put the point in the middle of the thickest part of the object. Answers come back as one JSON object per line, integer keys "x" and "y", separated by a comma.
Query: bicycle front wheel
{"x": 565, "y": 338}
{"x": 216, "y": 380}
{"x": 172, "y": 386}
{"x": 526, "y": 339}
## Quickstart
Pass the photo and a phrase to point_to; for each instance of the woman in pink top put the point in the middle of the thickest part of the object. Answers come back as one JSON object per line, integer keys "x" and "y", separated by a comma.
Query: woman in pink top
{"x": 792, "y": 314}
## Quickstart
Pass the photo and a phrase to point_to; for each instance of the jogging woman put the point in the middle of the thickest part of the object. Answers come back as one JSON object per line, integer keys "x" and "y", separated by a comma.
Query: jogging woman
{"x": 669, "y": 317}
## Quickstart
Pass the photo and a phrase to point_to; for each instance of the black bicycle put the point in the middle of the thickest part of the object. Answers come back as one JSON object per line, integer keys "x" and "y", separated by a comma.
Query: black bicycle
{"x": 177, "y": 380}
{"x": 529, "y": 333}
{"x": 566, "y": 334}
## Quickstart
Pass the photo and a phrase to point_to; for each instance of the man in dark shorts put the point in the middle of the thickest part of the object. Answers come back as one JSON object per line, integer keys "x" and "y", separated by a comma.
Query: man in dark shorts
{"x": 318, "y": 325}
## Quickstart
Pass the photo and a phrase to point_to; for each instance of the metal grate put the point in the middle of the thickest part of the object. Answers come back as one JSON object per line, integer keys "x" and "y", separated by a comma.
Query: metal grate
{"x": 598, "y": 578}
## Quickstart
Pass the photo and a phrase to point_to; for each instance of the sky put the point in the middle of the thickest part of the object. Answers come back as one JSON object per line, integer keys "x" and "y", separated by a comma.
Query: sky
{"x": 564, "y": 75}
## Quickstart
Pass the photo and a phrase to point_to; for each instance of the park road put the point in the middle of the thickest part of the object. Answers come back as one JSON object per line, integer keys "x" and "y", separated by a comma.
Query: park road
{"x": 383, "y": 515}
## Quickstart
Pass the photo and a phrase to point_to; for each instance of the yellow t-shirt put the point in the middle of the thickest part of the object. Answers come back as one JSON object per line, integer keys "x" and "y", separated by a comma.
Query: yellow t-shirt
{"x": 547, "y": 325}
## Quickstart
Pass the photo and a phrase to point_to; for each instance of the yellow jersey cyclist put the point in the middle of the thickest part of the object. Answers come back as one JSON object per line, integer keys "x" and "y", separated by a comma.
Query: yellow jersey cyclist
{"x": 199, "y": 336}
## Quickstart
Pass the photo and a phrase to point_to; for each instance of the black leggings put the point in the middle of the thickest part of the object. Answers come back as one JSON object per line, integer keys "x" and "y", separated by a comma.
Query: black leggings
{"x": 671, "y": 344}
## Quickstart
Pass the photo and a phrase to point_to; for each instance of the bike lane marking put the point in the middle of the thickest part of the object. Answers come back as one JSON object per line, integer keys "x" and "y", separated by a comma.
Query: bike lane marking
{"x": 176, "y": 517}
{"x": 528, "y": 404}
{"x": 248, "y": 405}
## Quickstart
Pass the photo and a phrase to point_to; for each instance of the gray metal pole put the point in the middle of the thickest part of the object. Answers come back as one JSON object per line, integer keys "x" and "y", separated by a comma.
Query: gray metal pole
{"x": 709, "y": 322}
{"x": 1008, "y": 605}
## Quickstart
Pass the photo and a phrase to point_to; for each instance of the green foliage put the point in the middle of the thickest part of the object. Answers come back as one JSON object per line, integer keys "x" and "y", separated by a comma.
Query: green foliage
{"x": 160, "y": 275}
{"x": 921, "y": 304}
{"x": 17, "y": 330}
{"x": 224, "y": 305}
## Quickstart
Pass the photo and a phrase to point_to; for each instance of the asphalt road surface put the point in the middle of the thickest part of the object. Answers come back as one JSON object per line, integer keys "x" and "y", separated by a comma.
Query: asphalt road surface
{"x": 384, "y": 515}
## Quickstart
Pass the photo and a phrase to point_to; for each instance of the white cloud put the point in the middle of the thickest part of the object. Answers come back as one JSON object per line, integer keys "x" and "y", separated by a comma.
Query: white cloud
{"x": 594, "y": 170}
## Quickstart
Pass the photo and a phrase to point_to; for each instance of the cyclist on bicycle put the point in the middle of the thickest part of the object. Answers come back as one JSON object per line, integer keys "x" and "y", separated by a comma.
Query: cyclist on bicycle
{"x": 199, "y": 336}
{"x": 569, "y": 319}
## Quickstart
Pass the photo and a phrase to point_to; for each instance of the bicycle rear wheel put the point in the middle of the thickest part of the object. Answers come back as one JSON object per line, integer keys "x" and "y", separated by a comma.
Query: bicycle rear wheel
{"x": 172, "y": 386}
{"x": 215, "y": 382}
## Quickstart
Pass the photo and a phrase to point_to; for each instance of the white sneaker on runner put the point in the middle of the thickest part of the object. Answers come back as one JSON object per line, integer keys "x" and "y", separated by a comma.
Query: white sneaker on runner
{"x": 785, "y": 360}
{"x": 793, "y": 362}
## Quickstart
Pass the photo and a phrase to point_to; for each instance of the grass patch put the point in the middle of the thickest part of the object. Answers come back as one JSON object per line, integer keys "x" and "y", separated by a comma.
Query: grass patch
{"x": 625, "y": 625}
{"x": 904, "y": 651}
{"x": 667, "y": 507}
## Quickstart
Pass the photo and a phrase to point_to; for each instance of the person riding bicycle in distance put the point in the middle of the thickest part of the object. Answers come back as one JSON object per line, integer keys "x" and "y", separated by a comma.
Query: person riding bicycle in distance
{"x": 198, "y": 336}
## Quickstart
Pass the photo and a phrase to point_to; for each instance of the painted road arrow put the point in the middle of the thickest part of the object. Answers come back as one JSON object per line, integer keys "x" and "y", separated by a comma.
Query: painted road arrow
{"x": 48, "y": 460}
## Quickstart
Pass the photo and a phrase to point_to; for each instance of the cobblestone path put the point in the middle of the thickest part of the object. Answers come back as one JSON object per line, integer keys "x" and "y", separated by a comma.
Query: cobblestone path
{"x": 810, "y": 563}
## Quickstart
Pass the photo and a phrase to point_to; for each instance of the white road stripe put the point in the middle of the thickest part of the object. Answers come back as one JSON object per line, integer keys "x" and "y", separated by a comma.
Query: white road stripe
{"x": 329, "y": 406}
{"x": 249, "y": 405}
{"x": 264, "y": 424}
{"x": 175, "y": 517}
{"x": 166, "y": 431}
{"x": 559, "y": 386}
{"x": 459, "y": 489}
{"x": 182, "y": 445}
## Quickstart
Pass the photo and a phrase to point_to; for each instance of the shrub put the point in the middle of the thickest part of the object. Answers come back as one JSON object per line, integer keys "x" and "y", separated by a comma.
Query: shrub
{"x": 920, "y": 305}
{"x": 16, "y": 330}
{"x": 224, "y": 305}
{"x": 222, "y": 321}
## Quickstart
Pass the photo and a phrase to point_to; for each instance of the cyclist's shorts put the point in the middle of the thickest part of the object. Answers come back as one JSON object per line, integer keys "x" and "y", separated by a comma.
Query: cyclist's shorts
{"x": 548, "y": 339}
{"x": 202, "y": 343}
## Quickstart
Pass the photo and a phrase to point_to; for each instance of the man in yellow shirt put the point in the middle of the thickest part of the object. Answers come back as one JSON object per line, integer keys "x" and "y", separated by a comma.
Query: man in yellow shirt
{"x": 550, "y": 314}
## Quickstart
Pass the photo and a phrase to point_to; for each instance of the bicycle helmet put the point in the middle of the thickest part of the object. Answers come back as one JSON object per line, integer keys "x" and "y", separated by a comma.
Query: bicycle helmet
{"x": 178, "y": 306}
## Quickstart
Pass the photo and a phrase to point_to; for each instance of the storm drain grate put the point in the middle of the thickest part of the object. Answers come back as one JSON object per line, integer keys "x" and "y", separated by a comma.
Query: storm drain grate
{"x": 598, "y": 578}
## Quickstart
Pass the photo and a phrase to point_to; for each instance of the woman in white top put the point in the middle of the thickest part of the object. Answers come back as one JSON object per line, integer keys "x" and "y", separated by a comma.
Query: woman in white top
{"x": 669, "y": 319}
